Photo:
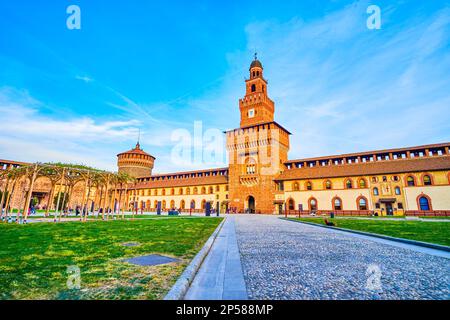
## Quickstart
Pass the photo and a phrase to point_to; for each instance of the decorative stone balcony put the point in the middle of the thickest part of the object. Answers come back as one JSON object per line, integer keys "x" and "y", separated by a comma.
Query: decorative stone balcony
{"x": 249, "y": 180}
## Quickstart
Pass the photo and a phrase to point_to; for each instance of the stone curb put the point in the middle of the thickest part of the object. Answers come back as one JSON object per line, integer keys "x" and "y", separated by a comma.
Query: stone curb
{"x": 407, "y": 241}
{"x": 179, "y": 289}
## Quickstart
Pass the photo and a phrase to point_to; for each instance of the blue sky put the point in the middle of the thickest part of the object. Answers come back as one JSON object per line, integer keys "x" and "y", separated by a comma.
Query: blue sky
{"x": 82, "y": 95}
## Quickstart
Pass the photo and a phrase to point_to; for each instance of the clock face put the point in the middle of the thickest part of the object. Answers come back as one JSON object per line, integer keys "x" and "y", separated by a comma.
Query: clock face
{"x": 251, "y": 113}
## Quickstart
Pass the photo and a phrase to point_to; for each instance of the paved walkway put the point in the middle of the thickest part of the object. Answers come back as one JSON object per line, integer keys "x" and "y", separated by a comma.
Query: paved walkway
{"x": 220, "y": 277}
{"x": 288, "y": 260}
{"x": 264, "y": 257}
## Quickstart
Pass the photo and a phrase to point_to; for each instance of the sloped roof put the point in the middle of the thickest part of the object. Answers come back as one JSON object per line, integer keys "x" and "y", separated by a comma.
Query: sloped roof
{"x": 368, "y": 168}
{"x": 136, "y": 150}
{"x": 182, "y": 182}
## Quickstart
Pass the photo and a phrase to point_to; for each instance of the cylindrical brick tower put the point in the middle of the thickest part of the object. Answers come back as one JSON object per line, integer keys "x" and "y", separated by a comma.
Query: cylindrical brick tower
{"x": 136, "y": 162}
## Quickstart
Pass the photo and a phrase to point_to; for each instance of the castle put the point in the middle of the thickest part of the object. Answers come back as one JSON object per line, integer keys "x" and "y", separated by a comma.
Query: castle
{"x": 261, "y": 179}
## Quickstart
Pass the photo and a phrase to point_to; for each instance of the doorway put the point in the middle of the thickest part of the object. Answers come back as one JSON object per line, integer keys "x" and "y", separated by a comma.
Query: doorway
{"x": 280, "y": 209}
{"x": 251, "y": 204}
{"x": 389, "y": 210}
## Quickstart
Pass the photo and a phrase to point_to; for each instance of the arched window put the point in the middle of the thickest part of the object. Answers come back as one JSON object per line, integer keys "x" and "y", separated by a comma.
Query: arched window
{"x": 182, "y": 204}
{"x": 398, "y": 191}
{"x": 410, "y": 182}
{"x": 253, "y": 87}
{"x": 424, "y": 203}
{"x": 362, "y": 183}
{"x": 308, "y": 185}
{"x": 203, "y": 204}
{"x": 180, "y": 191}
{"x": 312, "y": 204}
{"x": 172, "y": 204}
{"x": 164, "y": 204}
{"x": 192, "y": 204}
{"x": 188, "y": 190}
{"x": 348, "y": 184}
{"x": 172, "y": 191}
{"x": 203, "y": 190}
{"x": 163, "y": 192}
{"x": 291, "y": 204}
{"x": 375, "y": 191}
{"x": 427, "y": 180}
{"x": 211, "y": 190}
{"x": 337, "y": 203}
{"x": 156, "y": 204}
{"x": 217, "y": 188}
{"x": 362, "y": 203}
{"x": 295, "y": 187}
{"x": 328, "y": 185}
{"x": 195, "y": 190}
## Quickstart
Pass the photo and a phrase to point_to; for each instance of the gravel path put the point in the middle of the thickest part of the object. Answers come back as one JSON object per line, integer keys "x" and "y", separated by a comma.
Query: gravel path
{"x": 289, "y": 260}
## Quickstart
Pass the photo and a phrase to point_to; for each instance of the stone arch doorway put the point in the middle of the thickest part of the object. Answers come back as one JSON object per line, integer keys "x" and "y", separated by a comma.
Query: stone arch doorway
{"x": 251, "y": 204}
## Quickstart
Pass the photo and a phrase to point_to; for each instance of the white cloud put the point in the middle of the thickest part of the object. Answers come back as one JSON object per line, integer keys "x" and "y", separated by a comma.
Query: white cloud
{"x": 27, "y": 135}
{"x": 86, "y": 79}
{"x": 339, "y": 87}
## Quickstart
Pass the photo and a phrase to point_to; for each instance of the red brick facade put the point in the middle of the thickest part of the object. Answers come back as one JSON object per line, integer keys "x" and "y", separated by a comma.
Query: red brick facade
{"x": 257, "y": 150}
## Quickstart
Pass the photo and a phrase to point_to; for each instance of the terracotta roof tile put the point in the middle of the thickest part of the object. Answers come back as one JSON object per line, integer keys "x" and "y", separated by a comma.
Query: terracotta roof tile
{"x": 368, "y": 168}
{"x": 372, "y": 152}
{"x": 136, "y": 150}
{"x": 182, "y": 182}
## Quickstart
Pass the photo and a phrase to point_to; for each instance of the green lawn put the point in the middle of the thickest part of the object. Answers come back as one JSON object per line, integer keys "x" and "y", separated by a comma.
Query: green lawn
{"x": 34, "y": 257}
{"x": 99, "y": 217}
{"x": 444, "y": 218}
{"x": 433, "y": 232}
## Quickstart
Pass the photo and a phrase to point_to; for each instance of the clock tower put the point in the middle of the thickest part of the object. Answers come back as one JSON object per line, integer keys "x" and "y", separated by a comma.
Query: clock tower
{"x": 257, "y": 150}
{"x": 256, "y": 107}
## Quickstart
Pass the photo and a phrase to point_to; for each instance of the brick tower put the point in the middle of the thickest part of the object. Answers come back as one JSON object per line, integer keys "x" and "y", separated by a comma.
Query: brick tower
{"x": 257, "y": 149}
{"x": 136, "y": 162}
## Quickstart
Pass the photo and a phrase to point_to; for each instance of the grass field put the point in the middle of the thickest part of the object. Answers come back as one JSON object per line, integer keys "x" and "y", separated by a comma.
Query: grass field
{"x": 34, "y": 258}
{"x": 433, "y": 232}
{"x": 111, "y": 217}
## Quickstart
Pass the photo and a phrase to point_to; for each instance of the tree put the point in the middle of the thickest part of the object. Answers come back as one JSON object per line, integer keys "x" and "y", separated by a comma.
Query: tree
{"x": 62, "y": 200}
{"x": 6, "y": 196}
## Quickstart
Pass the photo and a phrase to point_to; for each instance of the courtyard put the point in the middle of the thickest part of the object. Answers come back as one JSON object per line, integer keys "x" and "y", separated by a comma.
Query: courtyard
{"x": 252, "y": 257}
